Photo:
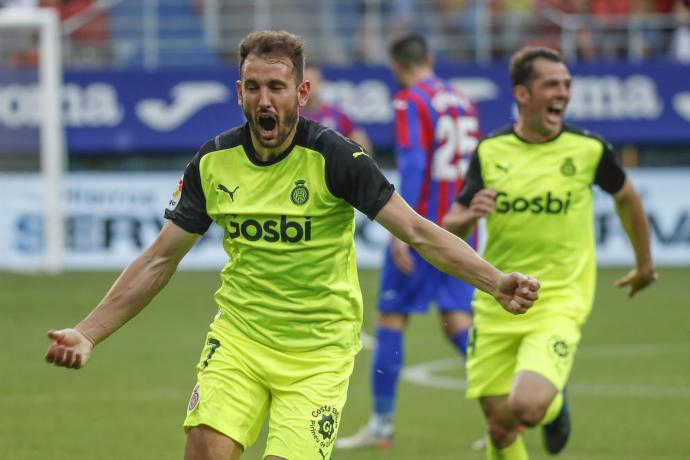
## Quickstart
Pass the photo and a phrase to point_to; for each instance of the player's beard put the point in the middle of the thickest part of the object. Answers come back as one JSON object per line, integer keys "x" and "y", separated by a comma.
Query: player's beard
{"x": 285, "y": 125}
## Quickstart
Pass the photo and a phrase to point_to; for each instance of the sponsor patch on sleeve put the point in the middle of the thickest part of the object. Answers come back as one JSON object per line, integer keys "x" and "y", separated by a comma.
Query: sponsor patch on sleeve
{"x": 175, "y": 198}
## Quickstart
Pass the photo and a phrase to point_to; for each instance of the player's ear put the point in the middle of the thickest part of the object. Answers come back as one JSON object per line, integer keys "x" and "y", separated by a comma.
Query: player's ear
{"x": 303, "y": 91}
{"x": 395, "y": 67}
{"x": 238, "y": 86}
{"x": 521, "y": 94}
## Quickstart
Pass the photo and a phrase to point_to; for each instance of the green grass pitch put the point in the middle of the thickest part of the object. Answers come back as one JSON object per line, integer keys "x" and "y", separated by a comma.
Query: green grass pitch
{"x": 630, "y": 387}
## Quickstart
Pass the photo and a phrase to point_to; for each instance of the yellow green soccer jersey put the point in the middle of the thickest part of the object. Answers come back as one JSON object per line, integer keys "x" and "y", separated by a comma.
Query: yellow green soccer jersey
{"x": 291, "y": 278}
{"x": 543, "y": 222}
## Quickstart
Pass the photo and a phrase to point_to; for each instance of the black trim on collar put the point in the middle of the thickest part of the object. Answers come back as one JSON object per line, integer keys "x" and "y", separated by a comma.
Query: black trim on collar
{"x": 512, "y": 128}
{"x": 251, "y": 153}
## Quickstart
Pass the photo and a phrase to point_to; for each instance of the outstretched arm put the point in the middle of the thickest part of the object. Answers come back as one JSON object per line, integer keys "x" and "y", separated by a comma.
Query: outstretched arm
{"x": 634, "y": 221}
{"x": 515, "y": 292}
{"x": 132, "y": 291}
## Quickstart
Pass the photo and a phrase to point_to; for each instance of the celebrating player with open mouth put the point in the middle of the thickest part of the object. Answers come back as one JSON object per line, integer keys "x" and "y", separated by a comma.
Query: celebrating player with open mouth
{"x": 532, "y": 182}
{"x": 283, "y": 343}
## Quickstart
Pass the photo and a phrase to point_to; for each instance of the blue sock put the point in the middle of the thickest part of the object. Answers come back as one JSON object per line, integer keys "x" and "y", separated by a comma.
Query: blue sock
{"x": 460, "y": 342}
{"x": 385, "y": 370}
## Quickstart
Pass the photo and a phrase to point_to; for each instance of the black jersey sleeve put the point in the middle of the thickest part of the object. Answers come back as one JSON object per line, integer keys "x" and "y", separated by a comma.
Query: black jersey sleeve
{"x": 609, "y": 175}
{"x": 354, "y": 176}
{"x": 473, "y": 182}
{"x": 188, "y": 209}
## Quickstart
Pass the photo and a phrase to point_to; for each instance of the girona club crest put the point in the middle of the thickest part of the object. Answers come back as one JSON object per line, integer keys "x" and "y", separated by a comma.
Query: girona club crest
{"x": 299, "y": 194}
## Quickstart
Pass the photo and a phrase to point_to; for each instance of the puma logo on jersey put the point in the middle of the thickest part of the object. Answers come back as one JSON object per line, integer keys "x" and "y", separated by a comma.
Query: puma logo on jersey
{"x": 500, "y": 167}
{"x": 222, "y": 188}
{"x": 359, "y": 154}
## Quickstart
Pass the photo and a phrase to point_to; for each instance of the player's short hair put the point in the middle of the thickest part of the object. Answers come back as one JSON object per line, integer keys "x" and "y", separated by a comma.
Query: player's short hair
{"x": 410, "y": 51}
{"x": 275, "y": 42}
{"x": 522, "y": 63}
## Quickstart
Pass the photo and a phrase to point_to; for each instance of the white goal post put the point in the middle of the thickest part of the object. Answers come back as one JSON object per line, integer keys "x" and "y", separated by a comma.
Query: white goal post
{"x": 52, "y": 140}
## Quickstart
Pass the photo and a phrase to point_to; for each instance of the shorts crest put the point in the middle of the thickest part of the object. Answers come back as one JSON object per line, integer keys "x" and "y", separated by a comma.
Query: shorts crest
{"x": 323, "y": 428}
{"x": 194, "y": 399}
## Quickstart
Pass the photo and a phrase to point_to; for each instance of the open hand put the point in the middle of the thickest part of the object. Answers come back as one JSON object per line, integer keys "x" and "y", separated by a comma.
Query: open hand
{"x": 517, "y": 292}
{"x": 637, "y": 280}
{"x": 70, "y": 348}
{"x": 483, "y": 203}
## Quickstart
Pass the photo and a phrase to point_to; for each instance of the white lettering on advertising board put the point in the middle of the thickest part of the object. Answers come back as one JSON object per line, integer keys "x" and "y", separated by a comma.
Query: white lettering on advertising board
{"x": 111, "y": 217}
{"x": 93, "y": 105}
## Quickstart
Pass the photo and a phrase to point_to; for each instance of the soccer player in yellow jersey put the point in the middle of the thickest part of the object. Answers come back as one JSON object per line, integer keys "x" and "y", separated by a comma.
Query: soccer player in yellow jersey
{"x": 283, "y": 343}
{"x": 532, "y": 182}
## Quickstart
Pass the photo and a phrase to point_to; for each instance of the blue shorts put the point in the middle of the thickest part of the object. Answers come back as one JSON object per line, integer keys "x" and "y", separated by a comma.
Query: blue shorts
{"x": 400, "y": 293}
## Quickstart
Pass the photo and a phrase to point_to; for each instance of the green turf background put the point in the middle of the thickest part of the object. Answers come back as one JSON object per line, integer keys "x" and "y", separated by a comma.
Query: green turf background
{"x": 630, "y": 388}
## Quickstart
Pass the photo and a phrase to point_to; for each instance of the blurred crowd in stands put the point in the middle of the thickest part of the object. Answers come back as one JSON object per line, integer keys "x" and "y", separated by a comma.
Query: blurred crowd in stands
{"x": 602, "y": 29}
{"x": 86, "y": 34}
{"x": 347, "y": 31}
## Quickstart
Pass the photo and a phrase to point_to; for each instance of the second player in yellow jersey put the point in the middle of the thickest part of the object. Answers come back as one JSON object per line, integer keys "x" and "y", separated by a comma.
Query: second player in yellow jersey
{"x": 532, "y": 182}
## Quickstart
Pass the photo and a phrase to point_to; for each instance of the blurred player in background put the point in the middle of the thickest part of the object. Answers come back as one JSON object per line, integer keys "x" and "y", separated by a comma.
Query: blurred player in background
{"x": 532, "y": 182}
{"x": 436, "y": 130}
{"x": 329, "y": 115}
{"x": 282, "y": 345}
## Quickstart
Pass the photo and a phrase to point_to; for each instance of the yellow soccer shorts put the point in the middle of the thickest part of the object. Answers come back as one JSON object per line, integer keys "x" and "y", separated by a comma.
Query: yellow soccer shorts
{"x": 546, "y": 347}
{"x": 240, "y": 382}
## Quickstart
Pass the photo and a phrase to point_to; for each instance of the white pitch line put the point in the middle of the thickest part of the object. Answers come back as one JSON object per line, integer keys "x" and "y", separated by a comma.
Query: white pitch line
{"x": 420, "y": 374}
{"x": 635, "y": 350}
{"x": 423, "y": 374}
{"x": 626, "y": 390}
{"x": 368, "y": 341}
{"x": 83, "y": 398}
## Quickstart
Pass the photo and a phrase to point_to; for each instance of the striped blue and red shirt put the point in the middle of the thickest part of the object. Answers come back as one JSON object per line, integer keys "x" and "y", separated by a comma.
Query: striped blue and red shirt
{"x": 331, "y": 117}
{"x": 436, "y": 132}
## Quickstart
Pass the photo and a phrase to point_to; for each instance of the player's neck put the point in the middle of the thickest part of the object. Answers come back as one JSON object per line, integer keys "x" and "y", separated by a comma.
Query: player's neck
{"x": 416, "y": 74}
{"x": 269, "y": 153}
{"x": 533, "y": 134}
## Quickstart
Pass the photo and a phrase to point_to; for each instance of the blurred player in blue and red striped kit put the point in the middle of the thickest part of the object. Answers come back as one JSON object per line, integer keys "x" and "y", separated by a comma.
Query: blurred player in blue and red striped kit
{"x": 436, "y": 131}
{"x": 330, "y": 115}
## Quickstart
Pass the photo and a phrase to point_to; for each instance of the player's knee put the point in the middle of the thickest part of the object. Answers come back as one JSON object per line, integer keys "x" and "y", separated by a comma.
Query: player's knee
{"x": 393, "y": 321}
{"x": 501, "y": 432}
{"x": 527, "y": 412}
{"x": 453, "y": 324}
